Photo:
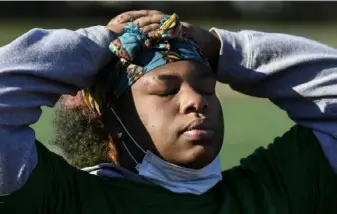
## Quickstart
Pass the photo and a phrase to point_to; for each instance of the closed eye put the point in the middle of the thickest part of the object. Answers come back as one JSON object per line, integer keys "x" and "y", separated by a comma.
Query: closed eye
{"x": 167, "y": 93}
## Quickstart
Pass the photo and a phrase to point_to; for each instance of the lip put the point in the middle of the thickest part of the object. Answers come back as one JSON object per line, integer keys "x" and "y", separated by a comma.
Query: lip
{"x": 198, "y": 130}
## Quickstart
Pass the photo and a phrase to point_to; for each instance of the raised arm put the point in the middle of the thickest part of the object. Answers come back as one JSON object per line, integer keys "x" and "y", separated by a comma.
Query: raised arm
{"x": 35, "y": 70}
{"x": 297, "y": 74}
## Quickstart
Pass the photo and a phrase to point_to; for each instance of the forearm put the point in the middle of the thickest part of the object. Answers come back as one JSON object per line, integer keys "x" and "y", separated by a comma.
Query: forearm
{"x": 297, "y": 74}
{"x": 35, "y": 70}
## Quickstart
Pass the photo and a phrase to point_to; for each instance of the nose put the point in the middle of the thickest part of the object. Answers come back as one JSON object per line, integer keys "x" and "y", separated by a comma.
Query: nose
{"x": 192, "y": 101}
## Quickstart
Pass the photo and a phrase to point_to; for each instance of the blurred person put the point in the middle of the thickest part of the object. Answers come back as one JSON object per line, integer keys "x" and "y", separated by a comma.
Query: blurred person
{"x": 148, "y": 119}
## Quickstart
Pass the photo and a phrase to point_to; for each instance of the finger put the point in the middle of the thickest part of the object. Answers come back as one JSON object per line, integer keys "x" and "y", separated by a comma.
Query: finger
{"x": 152, "y": 12}
{"x": 125, "y": 17}
{"x": 149, "y": 28}
{"x": 148, "y": 20}
{"x": 121, "y": 18}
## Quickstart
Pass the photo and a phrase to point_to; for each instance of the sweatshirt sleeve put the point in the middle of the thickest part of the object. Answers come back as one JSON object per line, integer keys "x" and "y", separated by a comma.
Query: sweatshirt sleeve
{"x": 35, "y": 69}
{"x": 297, "y": 74}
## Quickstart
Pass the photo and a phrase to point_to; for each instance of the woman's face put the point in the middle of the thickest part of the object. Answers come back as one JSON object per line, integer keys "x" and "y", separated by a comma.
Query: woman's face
{"x": 174, "y": 111}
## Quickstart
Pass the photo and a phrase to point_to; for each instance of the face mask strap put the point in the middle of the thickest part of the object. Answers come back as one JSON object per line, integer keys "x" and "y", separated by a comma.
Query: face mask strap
{"x": 128, "y": 151}
{"x": 128, "y": 133}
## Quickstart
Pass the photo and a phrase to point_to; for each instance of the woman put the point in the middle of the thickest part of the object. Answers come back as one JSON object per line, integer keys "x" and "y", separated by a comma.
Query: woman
{"x": 164, "y": 120}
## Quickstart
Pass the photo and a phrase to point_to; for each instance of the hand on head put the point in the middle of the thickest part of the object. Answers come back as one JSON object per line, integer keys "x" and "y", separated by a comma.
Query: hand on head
{"x": 149, "y": 20}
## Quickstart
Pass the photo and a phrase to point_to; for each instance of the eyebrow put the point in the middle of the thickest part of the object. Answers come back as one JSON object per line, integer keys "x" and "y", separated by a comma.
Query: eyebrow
{"x": 202, "y": 74}
{"x": 166, "y": 77}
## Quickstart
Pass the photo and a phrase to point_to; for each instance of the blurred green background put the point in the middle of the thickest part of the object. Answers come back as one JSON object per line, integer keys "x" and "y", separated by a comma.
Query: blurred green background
{"x": 249, "y": 122}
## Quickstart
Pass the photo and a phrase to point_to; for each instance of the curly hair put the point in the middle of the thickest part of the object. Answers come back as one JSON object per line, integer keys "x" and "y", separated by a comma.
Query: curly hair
{"x": 80, "y": 134}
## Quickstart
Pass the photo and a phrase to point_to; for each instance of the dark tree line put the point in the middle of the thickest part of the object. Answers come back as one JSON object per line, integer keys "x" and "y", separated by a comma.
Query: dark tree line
{"x": 286, "y": 11}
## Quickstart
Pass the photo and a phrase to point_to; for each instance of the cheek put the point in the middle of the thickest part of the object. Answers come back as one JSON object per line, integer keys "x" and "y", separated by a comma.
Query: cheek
{"x": 157, "y": 117}
{"x": 158, "y": 121}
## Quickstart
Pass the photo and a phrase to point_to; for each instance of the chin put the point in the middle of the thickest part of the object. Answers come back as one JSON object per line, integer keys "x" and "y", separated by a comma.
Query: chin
{"x": 199, "y": 156}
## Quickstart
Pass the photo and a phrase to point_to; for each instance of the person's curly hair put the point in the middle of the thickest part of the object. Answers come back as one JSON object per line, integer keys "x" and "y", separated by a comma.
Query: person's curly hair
{"x": 80, "y": 134}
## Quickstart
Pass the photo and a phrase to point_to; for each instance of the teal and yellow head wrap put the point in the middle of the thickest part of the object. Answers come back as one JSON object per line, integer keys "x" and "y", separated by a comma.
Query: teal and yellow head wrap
{"x": 138, "y": 54}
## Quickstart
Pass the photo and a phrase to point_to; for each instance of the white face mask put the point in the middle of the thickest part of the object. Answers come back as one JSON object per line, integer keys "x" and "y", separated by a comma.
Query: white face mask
{"x": 172, "y": 177}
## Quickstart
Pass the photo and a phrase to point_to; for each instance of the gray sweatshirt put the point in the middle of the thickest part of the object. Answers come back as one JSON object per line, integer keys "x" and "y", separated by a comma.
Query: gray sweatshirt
{"x": 297, "y": 74}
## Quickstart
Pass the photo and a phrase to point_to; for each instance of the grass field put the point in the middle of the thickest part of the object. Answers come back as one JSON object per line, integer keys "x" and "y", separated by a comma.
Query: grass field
{"x": 249, "y": 122}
